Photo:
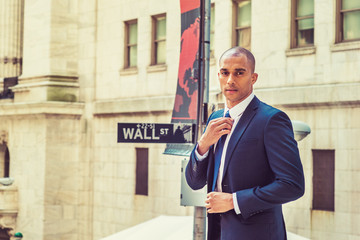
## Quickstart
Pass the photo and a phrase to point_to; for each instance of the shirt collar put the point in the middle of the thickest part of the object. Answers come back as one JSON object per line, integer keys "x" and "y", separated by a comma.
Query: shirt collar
{"x": 240, "y": 107}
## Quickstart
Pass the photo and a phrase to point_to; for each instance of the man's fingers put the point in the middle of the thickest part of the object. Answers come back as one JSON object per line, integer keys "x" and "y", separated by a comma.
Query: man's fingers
{"x": 207, "y": 201}
{"x": 210, "y": 195}
{"x": 215, "y": 129}
{"x": 225, "y": 123}
{"x": 208, "y": 208}
{"x": 218, "y": 202}
{"x": 215, "y": 124}
{"x": 218, "y": 121}
{"x": 223, "y": 127}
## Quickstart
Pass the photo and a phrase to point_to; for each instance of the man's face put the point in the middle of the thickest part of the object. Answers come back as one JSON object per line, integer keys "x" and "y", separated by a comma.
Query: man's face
{"x": 236, "y": 79}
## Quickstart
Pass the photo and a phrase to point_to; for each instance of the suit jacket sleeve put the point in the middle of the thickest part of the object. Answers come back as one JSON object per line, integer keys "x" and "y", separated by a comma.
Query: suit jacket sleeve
{"x": 284, "y": 160}
{"x": 196, "y": 171}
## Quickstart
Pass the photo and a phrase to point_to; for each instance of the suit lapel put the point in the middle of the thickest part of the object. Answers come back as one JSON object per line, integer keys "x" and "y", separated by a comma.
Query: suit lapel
{"x": 244, "y": 121}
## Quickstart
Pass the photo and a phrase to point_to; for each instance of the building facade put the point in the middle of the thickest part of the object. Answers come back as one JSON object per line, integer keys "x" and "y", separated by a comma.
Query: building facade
{"x": 87, "y": 65}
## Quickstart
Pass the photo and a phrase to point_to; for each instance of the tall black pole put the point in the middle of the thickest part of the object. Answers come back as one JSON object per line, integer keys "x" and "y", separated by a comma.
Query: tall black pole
{"x": 203, "y": 99}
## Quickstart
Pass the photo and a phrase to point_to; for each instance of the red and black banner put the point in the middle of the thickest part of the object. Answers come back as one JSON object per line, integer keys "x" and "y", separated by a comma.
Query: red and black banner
{"x": 186, "y": 99}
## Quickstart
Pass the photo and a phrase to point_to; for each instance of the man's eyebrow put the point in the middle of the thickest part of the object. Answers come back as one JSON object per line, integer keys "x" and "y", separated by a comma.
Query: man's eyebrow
{"x": 236, "y": 69}
{"x": 240, "y": 69}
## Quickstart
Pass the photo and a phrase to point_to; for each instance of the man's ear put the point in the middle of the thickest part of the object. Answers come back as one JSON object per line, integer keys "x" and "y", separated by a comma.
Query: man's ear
{"x": 254, "y": 77}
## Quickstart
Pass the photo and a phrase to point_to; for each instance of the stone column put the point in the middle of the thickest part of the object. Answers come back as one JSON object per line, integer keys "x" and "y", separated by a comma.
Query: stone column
{"x": 43, "y": 123}
{"x": 50, "y": 52}
{"x": 11, "y": 37}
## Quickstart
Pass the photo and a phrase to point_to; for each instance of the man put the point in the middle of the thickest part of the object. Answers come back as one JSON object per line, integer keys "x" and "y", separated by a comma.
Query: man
{"x": 249, "y": 161}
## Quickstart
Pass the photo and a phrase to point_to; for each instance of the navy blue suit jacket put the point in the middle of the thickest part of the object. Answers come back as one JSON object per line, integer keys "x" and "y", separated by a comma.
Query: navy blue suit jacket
{"x": 262, "y": 167}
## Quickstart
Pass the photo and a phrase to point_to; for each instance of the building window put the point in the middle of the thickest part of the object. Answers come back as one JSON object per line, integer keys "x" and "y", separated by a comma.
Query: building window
{"x": 4, "y": 161}
{"x": 142, "y": 171}
{"x": 242, "y": 24}
{"x": 212, "y": 29}
{"x": 302, "y": 23}
{"x": 131, "y": 35}
{"x": 347, "y": 20}
{"x": 7, "y": 163}
{"x": 158, "y": 55}
{"x": 323, "y": 179}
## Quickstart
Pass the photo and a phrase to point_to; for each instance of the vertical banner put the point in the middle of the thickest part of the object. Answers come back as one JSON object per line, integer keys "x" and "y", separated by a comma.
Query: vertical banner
{"x": 185, "y": 107}
{"x": 186, "y": 99}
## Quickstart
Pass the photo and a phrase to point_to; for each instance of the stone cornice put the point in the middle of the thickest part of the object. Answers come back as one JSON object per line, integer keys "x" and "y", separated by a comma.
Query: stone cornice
{"x": 327, "y": 95}
{"x": 52, "y": 108}
{"x": 134, "y": 105}
{"x": 26, "y": 83}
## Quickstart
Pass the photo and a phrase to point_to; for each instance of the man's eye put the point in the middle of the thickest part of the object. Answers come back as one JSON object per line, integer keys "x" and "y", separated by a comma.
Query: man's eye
{"x": 239, "y": 73}
{"x": 224, "y": 73}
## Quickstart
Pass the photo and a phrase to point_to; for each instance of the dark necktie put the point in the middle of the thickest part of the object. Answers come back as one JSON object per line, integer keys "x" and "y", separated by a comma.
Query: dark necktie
{"x": 218, "y": 153}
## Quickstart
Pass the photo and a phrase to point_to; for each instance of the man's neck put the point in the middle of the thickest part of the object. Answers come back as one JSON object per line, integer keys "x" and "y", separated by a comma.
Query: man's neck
{"x": 241, "y": 105}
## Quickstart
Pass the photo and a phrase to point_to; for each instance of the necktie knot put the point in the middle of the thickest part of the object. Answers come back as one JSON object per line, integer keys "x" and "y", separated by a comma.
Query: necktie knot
{"x": 227, "y": 114}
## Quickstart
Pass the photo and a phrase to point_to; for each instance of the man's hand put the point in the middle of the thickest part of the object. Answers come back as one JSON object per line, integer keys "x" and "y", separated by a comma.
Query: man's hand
{"x": 214, "y": 130}
{"x": 219, "y": 202}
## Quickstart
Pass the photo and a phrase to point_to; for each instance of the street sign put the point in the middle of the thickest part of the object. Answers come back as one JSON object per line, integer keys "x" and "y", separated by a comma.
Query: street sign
{"x": 155, "y": 133}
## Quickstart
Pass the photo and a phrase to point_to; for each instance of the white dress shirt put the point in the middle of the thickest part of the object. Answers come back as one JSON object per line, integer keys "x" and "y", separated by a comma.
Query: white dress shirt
{"x": 235, "y": 113}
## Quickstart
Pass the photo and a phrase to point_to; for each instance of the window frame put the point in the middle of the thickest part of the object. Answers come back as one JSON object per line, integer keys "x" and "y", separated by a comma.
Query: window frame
{"x": 294, "y": 26}
{"x": 154, "y": 41}
{"x": 7, "y": 163}
{"x": 339, "y": 31}
{"x": 128, "y": 45}
{"x": 142, "y": 171}
{"x": 235, "y": 27}
{"x": 319, "y": 201}
{"x": 4, "y": 160}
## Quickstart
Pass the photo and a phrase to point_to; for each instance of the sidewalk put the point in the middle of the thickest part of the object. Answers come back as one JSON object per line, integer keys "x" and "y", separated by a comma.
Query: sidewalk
{"x": 167, "y": 228}
{"x": 160, "y": 228}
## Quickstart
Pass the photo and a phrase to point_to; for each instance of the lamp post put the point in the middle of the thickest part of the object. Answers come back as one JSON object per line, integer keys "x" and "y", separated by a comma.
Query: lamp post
{"x": 203, "y": 98}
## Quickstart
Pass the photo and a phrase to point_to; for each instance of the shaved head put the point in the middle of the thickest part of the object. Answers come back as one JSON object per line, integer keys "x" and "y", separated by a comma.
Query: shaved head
{"x": 238, "y": 51}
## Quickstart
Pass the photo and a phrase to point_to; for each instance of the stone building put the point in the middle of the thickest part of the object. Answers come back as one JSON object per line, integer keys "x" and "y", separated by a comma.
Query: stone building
{"x": 82, "y": 66}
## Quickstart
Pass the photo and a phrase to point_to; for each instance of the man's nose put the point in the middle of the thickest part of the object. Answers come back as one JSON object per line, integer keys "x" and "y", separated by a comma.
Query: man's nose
{"x": 230, "y": 79}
